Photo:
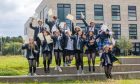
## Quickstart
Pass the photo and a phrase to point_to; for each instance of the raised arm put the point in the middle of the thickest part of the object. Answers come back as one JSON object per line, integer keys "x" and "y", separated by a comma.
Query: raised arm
{"x": 84, "y": 21}
{"x": 86, "y": 25}
{"x": 48, "y": 22}
{"x": 31, "y": 26}
{"x": 73, "y": 32}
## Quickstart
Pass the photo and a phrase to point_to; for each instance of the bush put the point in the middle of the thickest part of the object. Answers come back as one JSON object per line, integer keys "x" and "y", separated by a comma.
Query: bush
{"x": 124, "y": 44}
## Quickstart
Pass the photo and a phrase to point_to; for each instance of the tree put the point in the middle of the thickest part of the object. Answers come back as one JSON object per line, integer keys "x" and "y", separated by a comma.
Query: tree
{"x": 124, "y": 44}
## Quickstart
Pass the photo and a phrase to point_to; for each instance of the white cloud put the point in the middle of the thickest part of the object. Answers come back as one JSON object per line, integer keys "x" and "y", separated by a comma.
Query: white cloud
{"x": 13, "y": 15}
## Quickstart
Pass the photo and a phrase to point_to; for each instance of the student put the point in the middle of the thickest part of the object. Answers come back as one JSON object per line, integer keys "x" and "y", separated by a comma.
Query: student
{"x": 107, "y": 60}
{"x": 47, "y": 47}
{"x": 103, "y": 39}
{"x": 58, "y": 50}
{"x": 54, "y": 21}
{"x": 31, "y": 51}
{"x": 64, "y": 27}
{"x": 63, "y": 30}
{"x": 69, "y": 47}
{"x": 38, "y": 29}
{"x": 79, "y": 42}
{"x": 91, "y": 50}
{"x": 90, "y": 27}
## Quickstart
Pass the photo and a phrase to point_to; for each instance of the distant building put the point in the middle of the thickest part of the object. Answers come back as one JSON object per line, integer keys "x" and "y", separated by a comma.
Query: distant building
{"x": 122, "y": 15}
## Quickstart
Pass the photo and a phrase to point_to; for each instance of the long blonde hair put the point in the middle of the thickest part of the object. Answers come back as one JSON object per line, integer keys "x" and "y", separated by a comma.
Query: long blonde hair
{"x": 31, "y": 44}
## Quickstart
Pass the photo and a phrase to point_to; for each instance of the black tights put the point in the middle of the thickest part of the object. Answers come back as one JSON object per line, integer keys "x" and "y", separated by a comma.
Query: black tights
{"x": 38, "y": 54}
{"x": 91, "y": 57}
{"x": 32, "y": 65}
{"x": 37, "y": 59}
{"x": 64, "y": 58}
{"x": 107, "y": 70}
{"x": 79, "y": 60}
{"x": 47, "y": 58}
{"x": 58, "y": 58}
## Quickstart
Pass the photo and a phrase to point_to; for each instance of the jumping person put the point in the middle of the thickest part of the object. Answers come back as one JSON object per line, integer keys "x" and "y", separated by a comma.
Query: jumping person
{"x": 91, "y": 50}
{"x": 69, "y": 47}
{"x": 51, "y": 23}
{"x": 58, "y": 50}
{"x": 107, "y": 60}
{"x": 63, "y": 30}
{"x": 103, "y": 39}
{"x": 38, "y": 29}
{"x": 90, "y": 27}
{"x": 47, "y": 47}
{"x": 31, "y": 49}
{"x": 79, "y": 43}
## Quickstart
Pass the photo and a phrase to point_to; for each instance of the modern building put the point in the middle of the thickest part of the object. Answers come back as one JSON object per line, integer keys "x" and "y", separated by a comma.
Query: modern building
{"x": 123, "y": 16}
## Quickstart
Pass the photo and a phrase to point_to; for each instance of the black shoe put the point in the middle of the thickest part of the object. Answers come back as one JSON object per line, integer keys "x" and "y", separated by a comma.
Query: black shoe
{"x": 89, "y": 69}
{"x": 45, "y": 70}
{"x": 48, "y": 70}
{"x": 93, "y": 69}
{"x": 37, "y": 64}
{"x": 110, "y": 76}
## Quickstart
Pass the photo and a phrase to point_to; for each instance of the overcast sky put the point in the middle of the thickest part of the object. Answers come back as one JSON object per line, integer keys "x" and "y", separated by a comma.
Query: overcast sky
{"x": 13, "y": 15}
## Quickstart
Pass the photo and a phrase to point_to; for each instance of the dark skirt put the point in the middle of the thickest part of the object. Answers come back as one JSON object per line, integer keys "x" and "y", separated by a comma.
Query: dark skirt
{"x": 68, "y": 52}
{"x": 47, "y": 52}
{"x": 78, "y": 51}
{"x": 90, "y": 51}
{"x": 58, "y": 50}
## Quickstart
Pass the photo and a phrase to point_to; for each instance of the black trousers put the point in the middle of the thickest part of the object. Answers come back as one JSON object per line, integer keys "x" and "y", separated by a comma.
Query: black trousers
{"x": 107, "y": 70}
{"x": 38, "y": 54}
{"x": 79, "y": 59}
{"x": 91, "y": 58}
{"x": 58, "y": 54}
{"x": 32, "y": 65}
{"x": 47, "y": 59}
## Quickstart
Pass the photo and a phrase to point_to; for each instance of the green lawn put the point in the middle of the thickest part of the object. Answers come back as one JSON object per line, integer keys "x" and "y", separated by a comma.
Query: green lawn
{"x": 18, "y": 65}
{"x": 121, "y": 81}
{"x": 130, "y": 81}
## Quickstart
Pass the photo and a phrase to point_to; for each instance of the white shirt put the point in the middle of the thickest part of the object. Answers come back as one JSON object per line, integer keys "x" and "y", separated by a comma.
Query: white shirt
{"x": 58, "y": 46}
{"x": 70, "y": 44}
{"x": 91, "y": 29}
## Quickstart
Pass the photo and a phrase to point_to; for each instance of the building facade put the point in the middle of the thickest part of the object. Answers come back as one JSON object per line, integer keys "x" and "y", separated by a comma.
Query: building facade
{"x": 123, "y": 16}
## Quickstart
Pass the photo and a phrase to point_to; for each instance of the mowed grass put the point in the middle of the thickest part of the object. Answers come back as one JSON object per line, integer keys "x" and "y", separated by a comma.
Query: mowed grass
{"x": 121, "y": 81}
{"x": 18, "y": 65}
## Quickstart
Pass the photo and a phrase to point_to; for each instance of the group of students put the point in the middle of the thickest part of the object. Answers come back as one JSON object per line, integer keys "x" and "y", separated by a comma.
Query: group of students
{"x": 65, "y": 42}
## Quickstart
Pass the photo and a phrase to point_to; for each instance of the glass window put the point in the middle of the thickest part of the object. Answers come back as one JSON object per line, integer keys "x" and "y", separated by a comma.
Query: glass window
{"x": 132, "y": 13}
{"x": 116, "y": 12}
{"x": 63, "y": 10}
{"x": 133, "y": 31}
{"x": 136, "y": 48}
{"x": 82, "y": 25}
{"x": 98, "y": 12}
{"x": 80, "y": 8}
{"x": 116, "y": 28}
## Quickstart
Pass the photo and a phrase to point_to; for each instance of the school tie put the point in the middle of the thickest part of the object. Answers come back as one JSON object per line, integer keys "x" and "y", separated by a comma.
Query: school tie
{"x": 78, "y": 43}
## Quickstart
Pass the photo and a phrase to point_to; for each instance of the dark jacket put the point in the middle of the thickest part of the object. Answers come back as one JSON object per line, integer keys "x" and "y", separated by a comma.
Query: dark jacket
{"x": 87, "y": 28}
{"x": 28, "y": 50}
{"x": 111, "y": 57}
{"x": 36, "y": 31}
{"x": 52, "y": 23}
{"x": 55, "y": 39}
{"x": 90, "y": 47}
{"x": 45, "y": 44}
{"x": 102, "y": 36}
{"x": 81, "y": 43}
